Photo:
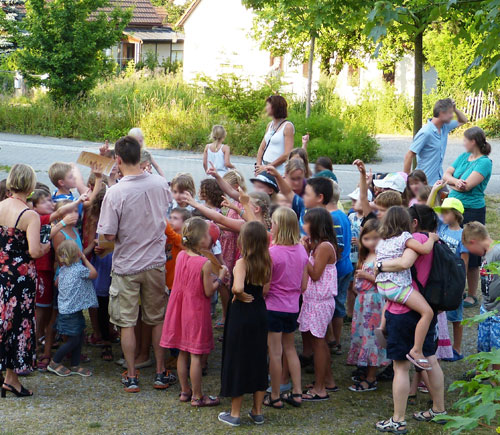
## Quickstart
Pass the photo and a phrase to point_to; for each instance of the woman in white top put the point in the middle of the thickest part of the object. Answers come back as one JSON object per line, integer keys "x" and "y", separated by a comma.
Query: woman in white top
{"x": 278, "y": 140}
{"x": 217, "y": 154}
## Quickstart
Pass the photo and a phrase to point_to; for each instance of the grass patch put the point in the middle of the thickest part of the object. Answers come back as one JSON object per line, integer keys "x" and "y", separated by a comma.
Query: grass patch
{"x": 95, "y": 425}
{"x": 4, "y": 168}
{"x": 493, "y": 215}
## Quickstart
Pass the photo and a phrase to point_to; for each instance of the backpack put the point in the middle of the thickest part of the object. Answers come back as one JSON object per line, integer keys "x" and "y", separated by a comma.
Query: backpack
{"x": 446, "y": 283}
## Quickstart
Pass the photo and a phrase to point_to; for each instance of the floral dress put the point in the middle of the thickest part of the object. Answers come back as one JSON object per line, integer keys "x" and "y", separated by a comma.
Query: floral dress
{"x": 367, "y": 315}
{"x": 17, "y": 301}
{"x": 229, "y": 241}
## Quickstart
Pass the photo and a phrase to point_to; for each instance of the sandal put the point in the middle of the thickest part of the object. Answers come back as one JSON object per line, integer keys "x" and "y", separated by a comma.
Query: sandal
{"x": 58, "y": 369}
{"x": 470, "y": 304}
{"x": 358, "y": 387}
{"x": 219, "y": 324}
{"x": 418, "y": 362}
{"x": 92, "y": 340}
{"x": 412, "y": 399}
{"x": 272, "y": 402}
{"x": 328, "y": 389}
{"x": 185, "y": 397}
{"x": 107, "y": 353}
{"x": 289, "y": 398}
{"x": 42, "y": 366}
{"x": 204, "y": 401}
{"x": 420, "y": 416}
{"x": 309, "y": 396}
{"x": 82, "y": 371}
{"x": 392, "y": 426}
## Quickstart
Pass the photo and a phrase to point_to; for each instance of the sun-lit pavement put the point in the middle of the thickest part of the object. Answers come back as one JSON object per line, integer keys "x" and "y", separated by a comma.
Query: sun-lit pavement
{"x": 40, "y": 152}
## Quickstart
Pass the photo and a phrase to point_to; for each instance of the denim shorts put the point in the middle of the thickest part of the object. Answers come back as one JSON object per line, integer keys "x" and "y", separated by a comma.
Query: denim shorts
{"x": 401, "y": 335}
{"x": 342, "y": 287}
{"x": 70, "y": 324}
{"x": 456, "y": 315}
{"x": 278, "y": 321}
{"x": 488, "y": 333}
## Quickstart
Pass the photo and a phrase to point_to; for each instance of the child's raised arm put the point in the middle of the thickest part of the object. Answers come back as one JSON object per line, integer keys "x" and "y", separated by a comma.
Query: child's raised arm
{"x": 431, "y": 201}
{"x": 363, "y": 188}
{"x": 223, "y": 184}
{"x": 209, "y": 284}
{"x": 423, "y": 248}
{"x": 227, "y": 157}
{"x": 80, "y": 185}
{"x": 323, "y": 254}
{"x": 283, "y": 186}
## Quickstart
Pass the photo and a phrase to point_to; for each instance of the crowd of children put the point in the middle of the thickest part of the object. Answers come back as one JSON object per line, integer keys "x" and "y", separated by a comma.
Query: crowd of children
{"x": 282, "y": 258}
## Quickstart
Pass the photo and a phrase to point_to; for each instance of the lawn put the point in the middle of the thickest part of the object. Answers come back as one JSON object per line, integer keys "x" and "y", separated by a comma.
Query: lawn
{"x": 99, "y": 405}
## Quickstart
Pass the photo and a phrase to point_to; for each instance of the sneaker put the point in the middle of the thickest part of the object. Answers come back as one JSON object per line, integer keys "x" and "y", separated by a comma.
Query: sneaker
{"x": 164, "y": 380}
{"x": 125, "y": 376}
{"x": 456, "y": 357}
{"x": 283, "y": 388}
{"x": 131, "y": 385}
{"x": 225, "y": 417}
{"x": 257, "y": 419}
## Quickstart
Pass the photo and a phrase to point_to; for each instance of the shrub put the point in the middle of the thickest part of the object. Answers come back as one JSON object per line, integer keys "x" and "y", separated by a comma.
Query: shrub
{"x": 491, "y": 125}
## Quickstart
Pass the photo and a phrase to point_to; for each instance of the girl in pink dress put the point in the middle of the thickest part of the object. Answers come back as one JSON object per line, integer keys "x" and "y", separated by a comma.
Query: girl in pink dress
{"x": 318, "y": 300}
{"x": 188, "y": 324}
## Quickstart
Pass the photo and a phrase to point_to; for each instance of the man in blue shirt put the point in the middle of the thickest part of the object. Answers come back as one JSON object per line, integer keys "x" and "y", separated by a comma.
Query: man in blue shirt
{"x": 429, "y": 144}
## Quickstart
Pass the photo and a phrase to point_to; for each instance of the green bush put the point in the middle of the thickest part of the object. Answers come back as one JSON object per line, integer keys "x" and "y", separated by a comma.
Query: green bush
{"x": 491, "y": 125}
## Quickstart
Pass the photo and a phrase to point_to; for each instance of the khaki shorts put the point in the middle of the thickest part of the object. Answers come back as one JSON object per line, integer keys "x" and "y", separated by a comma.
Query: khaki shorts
{"x": 129, "y": 292}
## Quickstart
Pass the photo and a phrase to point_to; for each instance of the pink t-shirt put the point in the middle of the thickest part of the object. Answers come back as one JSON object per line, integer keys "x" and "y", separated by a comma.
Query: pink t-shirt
{"x": 286, "y": 279}
{"x": 423, "y": 265}
{"x": 134, "y": 210}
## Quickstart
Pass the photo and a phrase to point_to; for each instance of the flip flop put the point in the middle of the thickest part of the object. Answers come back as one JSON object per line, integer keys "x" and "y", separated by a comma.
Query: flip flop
{"x": 417, "y": 362}
{"x": 313, "y": 397}
{"x": 469, "y": 304}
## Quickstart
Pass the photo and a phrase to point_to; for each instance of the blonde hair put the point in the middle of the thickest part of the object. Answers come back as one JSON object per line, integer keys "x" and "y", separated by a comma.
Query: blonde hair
{"x": 389, "y": 198}
{"x": 335, "y": 192}
{"x": 68, "y": 253}
{"x": 234, "y": 177}
{"x": 184, "y": 182}
{"x": 295, "y": 164}
{"x": 218, "y": 133}
{"x": 58, "y": 172}
{"x": 193, "y": 232}
{"x": 136, "y": 132}
{"x": 145, "y": 156}
{"x": 474, "y": 231}
{"x": 262, "y": 200}
{"x": 254, "y": 246}
{"x": 288, "y": 232}
{"x": 21, "y": 179}
{"x": 301, "y": 153}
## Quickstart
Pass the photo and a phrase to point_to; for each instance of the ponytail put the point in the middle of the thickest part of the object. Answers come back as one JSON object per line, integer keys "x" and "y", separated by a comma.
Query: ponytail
{"x": 477, "y": 135}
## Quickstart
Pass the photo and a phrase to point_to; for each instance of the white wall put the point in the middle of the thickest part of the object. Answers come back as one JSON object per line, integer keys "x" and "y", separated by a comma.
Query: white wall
{"x": 162, "y": 50}
{"x": 404, "y": 79}
{"x": 218, "y": 41}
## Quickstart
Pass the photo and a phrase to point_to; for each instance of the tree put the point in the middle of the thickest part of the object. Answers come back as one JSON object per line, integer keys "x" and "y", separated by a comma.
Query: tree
{"x": 414, "y": 18}
{"x": 175, "y": 9}
{"x": 294, "y": 26}
{"x": 64, "y": 40}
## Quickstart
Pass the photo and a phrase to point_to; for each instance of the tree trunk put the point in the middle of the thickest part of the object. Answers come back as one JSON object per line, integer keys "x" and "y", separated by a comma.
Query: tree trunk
{"x": 309, "y": 78}
{"x": 418, "y": 90}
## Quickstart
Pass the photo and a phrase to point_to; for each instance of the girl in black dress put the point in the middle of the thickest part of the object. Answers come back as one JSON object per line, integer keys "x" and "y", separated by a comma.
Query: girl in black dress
{"x": 244, "y": 353}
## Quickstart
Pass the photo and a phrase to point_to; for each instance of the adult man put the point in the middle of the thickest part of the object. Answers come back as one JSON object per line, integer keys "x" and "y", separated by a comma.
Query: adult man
{"x": 429, "y": 144}
{"x": 133, "y": 215}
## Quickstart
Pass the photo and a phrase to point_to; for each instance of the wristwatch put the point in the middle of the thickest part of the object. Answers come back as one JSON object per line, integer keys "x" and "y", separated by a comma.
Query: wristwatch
{"x": 379, "y": 266}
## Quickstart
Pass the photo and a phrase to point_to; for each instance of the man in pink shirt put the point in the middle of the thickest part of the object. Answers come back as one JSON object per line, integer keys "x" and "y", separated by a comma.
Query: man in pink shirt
{"x": 133, "y": 216}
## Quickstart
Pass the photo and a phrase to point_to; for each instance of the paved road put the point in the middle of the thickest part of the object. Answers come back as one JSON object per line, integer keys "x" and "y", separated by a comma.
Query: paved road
{"x": 40, "y": 152}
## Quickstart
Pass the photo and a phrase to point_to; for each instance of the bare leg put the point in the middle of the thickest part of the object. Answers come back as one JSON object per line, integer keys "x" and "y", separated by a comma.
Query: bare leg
{"x": 414, "y": 383}
{"x": 329, "y": 333}
{"x": 182, "y": 371}
{"x": 42, "y": 318}
{"x": 337, "y": 324}
{"x": 94, "y": 321}
{"x": 307, "y": 349}
{"x": 158, "y": 350}
{"x": 288, "y": 341}
{"x": 195, "y": 374}
{"x": 275, "y": 353}
{"x": 128, "y": 348}
{"x": 472, "y": 282}
{"x": 50, "y": 333}
{"x": 400, "y": 389}
{"x": 458, "y": 330}
{"x": 224, "y": 298}
{"x": 258, "y": 398}
{"x": 436, "y": 385}
{"x": 285, "y": 372}
{"x": 351, "y": 298}
{"x": 144, "y": 347}
{"x": 236, "y": 406}
{"x": 12, "y": 379}
{"x": 417, "y": 302}
{"x": 321, "y": 354}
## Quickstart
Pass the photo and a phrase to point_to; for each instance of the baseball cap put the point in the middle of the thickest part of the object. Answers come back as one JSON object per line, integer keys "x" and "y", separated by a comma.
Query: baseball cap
{"x": 393, "y": 181}
{"x": 448, "y": 203}
{"x": 355, "y": 194}
{"x": 214, "y": 232}
{"x": 268, "y": 179}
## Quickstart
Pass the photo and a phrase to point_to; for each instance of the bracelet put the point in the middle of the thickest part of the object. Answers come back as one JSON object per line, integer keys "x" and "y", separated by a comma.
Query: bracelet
{"x": 219, "y": 281}
{"x": 242, "y": 212}
{"x": 63, "y": 224}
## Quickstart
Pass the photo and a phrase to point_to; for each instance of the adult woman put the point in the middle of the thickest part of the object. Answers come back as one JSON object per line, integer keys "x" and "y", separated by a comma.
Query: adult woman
{"x": 19, "y": 245}
{"x": 400, "y": 327}
{"x": 468, "y": 177}
{"x": 278, "y": 140}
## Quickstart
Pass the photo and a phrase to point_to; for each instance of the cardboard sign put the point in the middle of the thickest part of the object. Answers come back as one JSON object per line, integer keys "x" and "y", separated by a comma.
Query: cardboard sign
{"x": 104, "y": 164}
{"x": 108, "y": 246}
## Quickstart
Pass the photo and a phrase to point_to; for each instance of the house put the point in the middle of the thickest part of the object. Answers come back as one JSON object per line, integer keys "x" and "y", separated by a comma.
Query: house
{"x": 218, "y": 40}
{"x": 147, "y": 32}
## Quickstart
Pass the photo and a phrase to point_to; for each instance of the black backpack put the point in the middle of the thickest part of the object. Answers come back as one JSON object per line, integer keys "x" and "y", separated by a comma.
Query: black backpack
{"x": 446, "y": 283}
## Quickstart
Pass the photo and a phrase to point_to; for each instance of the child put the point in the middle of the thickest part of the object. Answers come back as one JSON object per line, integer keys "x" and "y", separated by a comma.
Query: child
{"x": 477, "y": 240}
{"x": 76, "y": 294}
{"x": 173, "y": 244}
{"x": 416, "y": 180}
{"x": 295, "y": 175}
{"x": 65, "y": 177}
{"x": 367, "y": 314}
{"x": 146, "y": 161}
{"x": 180, "y": 184}
{"x": 217, "y": 154}
{"x": 289, "y": 277}
{"x": 68, "y": 232}
{"x": 324, "y": 168}
{"x": 450, "y": 232}
{"x": 423, "y": 195}
{"x": 318, "y": 300}
{"x": 395, "y": 232}
{"x": 244, "y": 353}
{"x": 139, "y": 136}
{"x": 265, "y": 182}
{"x": 211, "y": 193}
{"x": 188, "y": 325}
{"x": 301, "y": 154}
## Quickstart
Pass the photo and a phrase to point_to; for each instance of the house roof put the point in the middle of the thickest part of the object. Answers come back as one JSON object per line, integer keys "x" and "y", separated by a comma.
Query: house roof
{"x": 144, "y": 13}
{"x": 188, "y": 12}
{"x": 161, "y": 34}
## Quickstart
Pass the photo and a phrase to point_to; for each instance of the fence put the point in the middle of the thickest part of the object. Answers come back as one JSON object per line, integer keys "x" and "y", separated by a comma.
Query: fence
{"x": 480, "y": 105}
